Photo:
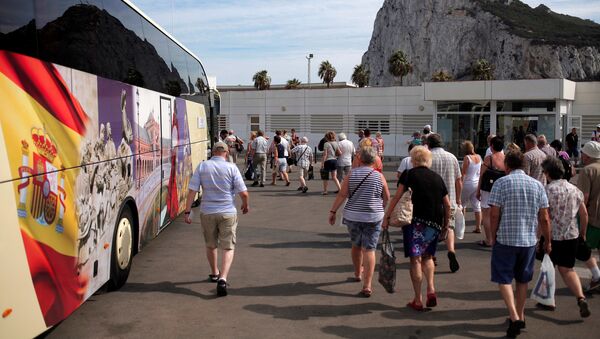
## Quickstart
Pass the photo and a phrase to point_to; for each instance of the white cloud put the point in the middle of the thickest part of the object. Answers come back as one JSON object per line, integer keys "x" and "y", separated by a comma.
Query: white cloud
{"x": 236, "y": 38}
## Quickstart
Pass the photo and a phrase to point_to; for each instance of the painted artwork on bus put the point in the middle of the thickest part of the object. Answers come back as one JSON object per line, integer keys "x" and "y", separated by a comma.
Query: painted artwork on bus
{"x": 71, "y": 166}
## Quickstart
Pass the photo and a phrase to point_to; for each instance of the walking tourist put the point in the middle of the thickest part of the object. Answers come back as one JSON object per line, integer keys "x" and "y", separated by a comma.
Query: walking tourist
{"x": 279, "y": 160}
{"x": 596, "y": 134}
{"x": 566, "y": 202}
{"x": 329, "y": 162}
{"x": 304, "y": 157}
{"x": 406, "y": 163}
{"x": 446, "y": 165}
{"x": 426, "y": 132}
{"x": 589, "y": 183}
{"x": 431, "y": 215}
{"x": 493, "y": 164}
{"x": 533, "y": 159}
{"x": 519, "y": 208}
{"x": 367, "y": 193}
{"x": 220, "y": 182}
{"x": 563, "y": 156}
{"x": 471, "y": 169}
{"x": 381, "y": 144}
{"x": 295, "y": 138}
{"x": 344, "y": 161}
{"x": 235, "y": 146}
{"x": 544, "y": 147}
{"x": 572, "y": 141}
{"x": 259, "y": 158}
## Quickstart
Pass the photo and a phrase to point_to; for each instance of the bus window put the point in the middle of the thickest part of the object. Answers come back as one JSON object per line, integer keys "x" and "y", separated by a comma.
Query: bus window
{"x": 17, "y": 27}
{"x": 157, "y": 77}
{"x": 179, "y": 67}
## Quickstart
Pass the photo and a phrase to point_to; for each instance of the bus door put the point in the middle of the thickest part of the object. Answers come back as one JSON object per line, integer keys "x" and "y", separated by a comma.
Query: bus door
{"x": 168, "y": 160}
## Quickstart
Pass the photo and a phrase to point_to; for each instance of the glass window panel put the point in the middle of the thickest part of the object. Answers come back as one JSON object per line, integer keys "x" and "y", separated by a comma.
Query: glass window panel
{"x": 130, "y": 19}
{"x": 17, "y": 27}
{"x": 159, "y": 71}
{"x": 514, "y": 127}
{"x": 456, "y": 106}
{"x": 526, "y": 106}
{"x": 179, "y": 67}
{"x": 457, "y": 128}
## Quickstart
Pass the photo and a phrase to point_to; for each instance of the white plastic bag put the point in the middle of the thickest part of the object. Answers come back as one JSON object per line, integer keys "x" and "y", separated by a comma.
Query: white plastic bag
{"x": 340, "y": 215}
{"x": 543, "y": 291}
{"x": 459, "y": 223}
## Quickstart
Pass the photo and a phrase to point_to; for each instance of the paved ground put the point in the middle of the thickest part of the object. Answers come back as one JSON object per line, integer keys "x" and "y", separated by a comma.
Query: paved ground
{"x": 290, "y": 279}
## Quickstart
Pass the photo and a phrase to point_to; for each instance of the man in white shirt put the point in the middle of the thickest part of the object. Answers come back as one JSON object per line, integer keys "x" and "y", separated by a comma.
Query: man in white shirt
{"x": 259, "y": 158}
{"x": 344, "y": 162}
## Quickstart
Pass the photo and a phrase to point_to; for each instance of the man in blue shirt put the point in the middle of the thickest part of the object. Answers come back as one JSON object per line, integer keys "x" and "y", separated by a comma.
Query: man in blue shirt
{"x": 220, "y": 182}
{"x": 519, "y": 207}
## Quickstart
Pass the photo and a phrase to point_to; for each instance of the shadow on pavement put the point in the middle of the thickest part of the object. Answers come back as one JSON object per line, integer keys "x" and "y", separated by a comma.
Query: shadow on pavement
{"x": 305, "y": 312}
{"x": 166, "y": 287}
{"x": 306, "y": 244}
{"x": 340, "y": 268}
{"x": 290, "y": 289}
{"x": 417, "y": 331}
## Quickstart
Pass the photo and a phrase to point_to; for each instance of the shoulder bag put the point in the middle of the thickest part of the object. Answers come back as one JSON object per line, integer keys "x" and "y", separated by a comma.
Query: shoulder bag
{"x": 387, "y": 263}
{"x": 402, "y": 214}
{"x": 357, "y": 187}
{"x": 490, "y": 176}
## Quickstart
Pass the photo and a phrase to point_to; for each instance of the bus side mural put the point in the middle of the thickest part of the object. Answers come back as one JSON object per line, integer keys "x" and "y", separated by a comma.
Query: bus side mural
{"x": 75, "y": 154}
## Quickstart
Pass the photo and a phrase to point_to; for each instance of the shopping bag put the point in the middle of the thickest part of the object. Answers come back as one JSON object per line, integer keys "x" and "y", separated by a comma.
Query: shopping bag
{"x": 459, "y": 223}
{"x": 387, "y": 263}
{"x": 340, "y": 215}
{"x": 543, "y": 291}
{"x": 402, "y": 213}
{"x": 249, "y": 173}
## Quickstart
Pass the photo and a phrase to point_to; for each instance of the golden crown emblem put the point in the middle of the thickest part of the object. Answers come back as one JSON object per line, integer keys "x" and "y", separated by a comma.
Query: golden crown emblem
{"x": 44, "y": 144}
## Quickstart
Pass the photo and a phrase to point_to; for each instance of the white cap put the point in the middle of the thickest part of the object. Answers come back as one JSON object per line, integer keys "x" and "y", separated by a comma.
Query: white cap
{"x": 592, "y": 149}
{"x": 427, "y": 127}
{"x": 598, "y": 126}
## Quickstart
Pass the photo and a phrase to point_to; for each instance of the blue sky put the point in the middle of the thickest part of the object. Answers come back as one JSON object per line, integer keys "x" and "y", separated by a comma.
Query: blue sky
{"x": 236, "y": 38}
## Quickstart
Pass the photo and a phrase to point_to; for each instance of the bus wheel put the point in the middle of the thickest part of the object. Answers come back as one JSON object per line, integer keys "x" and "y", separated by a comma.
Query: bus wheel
{"x": 122, "y": 250}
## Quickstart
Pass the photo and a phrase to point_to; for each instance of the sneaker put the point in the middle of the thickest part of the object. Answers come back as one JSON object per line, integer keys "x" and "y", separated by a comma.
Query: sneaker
{"x": 514, "y": 328}
{"x": 304, "y": 189}
{"x": 221, "y": 288}
{"x": 584, "y": 310}
{"x": 254, "y": 184}
{"x": 594, "y": 284}
{"x": 454, "y": 266}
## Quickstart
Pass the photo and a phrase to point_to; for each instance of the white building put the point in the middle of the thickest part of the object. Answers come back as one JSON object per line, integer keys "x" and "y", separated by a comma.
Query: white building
{"x": 467, "y": 110}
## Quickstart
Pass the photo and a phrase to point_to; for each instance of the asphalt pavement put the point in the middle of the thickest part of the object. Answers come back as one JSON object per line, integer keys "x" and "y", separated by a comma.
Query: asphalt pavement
{"x": 290, "y": 279}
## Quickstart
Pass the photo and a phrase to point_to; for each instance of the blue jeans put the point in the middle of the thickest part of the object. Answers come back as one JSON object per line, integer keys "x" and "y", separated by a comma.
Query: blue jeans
{"x": 363, "y": 234}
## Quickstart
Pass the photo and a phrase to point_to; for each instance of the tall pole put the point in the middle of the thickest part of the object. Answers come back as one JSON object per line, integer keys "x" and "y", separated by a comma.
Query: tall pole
{"x": 309, "y": 57}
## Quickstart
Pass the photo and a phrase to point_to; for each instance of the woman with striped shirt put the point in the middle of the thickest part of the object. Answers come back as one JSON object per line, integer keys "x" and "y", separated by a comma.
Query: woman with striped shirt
{"x": 367, "y": 193}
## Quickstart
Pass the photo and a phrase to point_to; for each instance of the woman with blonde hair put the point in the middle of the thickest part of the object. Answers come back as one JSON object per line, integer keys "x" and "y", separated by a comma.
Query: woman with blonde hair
{"x": 512, "y": 147}
{"x": 431, "y": 215}
{"x": 329, "y": 162}
{"x": 471, "y": 169}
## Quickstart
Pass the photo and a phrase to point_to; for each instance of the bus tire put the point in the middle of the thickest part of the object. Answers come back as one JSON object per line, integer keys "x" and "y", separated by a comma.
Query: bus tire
{"x": 122, "y": 250}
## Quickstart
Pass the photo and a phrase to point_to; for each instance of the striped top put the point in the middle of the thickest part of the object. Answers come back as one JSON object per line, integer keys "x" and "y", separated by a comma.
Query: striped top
{"x": 366, "y": 204}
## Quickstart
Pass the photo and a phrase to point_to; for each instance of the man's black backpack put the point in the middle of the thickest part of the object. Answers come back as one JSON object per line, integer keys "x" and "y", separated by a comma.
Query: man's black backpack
{"x": 568, "y": 167}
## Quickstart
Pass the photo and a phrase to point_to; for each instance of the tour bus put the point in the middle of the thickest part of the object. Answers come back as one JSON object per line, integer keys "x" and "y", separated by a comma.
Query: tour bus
{"x": 103, "y": 117}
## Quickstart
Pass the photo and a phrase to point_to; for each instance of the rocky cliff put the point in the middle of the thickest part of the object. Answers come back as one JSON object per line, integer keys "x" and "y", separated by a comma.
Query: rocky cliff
{"x": 520, "y": 41}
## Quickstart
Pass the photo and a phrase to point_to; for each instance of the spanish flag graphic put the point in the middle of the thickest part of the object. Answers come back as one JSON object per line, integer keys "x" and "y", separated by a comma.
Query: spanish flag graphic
{"x": 42, "y": 125}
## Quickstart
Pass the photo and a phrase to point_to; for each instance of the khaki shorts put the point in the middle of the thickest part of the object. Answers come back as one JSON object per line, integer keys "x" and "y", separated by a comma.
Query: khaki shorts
{"x": 219, "y": 230}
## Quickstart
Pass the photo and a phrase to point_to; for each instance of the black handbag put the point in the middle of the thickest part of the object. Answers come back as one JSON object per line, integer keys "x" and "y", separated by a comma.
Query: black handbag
{"x": 324, "y": 174}
{"x": 311, "y": 172}
{"x": 490, "y": 176}
{"x": 387, "y": 263}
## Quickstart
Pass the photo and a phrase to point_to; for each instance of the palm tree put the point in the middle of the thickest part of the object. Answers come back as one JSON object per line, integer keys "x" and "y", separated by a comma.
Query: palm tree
{"x": 483, "y": 70}
{"x": 293, "y": 84}
{"x": 399, "y": 66}
{"x": 360, "y": 76}
{"x": 441, "y": 76}
{"x": 327, "y": 72}
{"x": 262, "y": 80}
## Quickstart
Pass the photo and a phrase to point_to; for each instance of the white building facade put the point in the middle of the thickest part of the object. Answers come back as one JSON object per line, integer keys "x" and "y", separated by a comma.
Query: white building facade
{"x": 459, "y": 111}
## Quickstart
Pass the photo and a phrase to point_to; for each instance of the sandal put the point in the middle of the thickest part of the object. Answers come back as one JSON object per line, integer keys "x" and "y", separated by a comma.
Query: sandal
{"x": 415, "y": 306}
{"x": 214, "y": 277}
{"x": 476, "y": 231}
{"x": 365, "y": 293}
{"x": 324, "y": 193}
{"x": 482, "y": 243}
{"x": 431, "y": 300}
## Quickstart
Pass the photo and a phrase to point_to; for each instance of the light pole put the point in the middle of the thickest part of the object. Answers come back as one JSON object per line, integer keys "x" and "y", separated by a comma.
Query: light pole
{"x": 310, "y": 56}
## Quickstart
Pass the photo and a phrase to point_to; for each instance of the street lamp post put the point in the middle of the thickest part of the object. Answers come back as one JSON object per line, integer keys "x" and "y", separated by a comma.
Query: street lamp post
{"x": 310, "y": 56}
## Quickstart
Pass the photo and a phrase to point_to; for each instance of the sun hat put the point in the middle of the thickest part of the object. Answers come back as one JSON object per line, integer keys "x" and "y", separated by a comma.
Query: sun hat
{"x": 592, "y": 149}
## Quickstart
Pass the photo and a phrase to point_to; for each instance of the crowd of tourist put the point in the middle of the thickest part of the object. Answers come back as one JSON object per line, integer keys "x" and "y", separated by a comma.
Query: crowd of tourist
{"x": 523, "y": 202}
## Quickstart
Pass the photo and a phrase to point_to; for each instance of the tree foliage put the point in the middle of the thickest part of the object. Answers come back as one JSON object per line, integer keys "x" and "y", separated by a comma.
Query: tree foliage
{"x": 293, "y": 84}
{"x": 482, "y": 70}
{"x": 360, "y": 76}
{"x": 327, "y": 72}
{"x": 441, "y": 76}
{"x": 399, "y": 66}
{"x": 262, "y": 80}
{"x": 173, "y": 87}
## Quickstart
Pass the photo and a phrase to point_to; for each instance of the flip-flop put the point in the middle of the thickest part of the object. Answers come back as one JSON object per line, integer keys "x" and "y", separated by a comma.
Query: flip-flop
{"x": 365, "y": 293}
{"x": 415, "y": 306}
{"x": 482, "y": 243}
{"x": 476, "y": 231}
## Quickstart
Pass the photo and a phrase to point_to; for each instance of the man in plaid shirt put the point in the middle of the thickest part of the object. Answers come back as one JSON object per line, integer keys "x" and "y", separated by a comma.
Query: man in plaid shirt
{"x": 519, "y": 206}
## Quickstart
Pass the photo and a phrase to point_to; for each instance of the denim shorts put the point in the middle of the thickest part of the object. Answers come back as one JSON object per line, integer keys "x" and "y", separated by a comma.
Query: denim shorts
{"x": 511, "y": 262}
{"x": 363, "y": 234}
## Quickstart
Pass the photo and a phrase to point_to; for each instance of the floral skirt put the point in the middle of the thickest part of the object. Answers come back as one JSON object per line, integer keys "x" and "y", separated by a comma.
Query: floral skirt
{"x": 419, "y": 239}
